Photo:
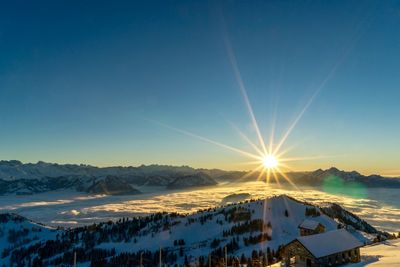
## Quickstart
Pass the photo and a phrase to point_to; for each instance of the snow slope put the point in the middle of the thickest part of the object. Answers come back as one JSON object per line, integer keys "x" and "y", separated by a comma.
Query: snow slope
{"x": 381, "y": 254}
{"x": 17, "y": 232}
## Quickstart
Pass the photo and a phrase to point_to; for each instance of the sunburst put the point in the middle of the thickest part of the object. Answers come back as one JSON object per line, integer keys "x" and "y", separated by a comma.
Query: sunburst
{"x": 268, "y": 165}
{"x": 268, "y": 160}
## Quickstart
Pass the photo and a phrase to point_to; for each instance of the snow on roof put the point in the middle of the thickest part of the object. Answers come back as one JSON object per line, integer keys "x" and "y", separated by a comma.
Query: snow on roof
{"x": 309, "y": 224}
{"x": 329, "y": 243}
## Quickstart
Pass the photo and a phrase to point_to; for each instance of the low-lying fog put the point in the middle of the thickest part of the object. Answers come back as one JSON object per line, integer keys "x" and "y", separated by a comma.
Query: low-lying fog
{"x": 378, "y": 206}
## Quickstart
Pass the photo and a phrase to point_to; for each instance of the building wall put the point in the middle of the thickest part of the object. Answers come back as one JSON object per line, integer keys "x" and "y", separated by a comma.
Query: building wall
{"x": 320, "y": 229}
{"x": 297, "y": 250}
{"x": 341, "y": 258}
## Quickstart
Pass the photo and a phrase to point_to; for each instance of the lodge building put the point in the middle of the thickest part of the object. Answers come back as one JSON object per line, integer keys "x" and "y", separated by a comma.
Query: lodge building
{"x": 331, "y": 248}
{"x": 310, "y": 227}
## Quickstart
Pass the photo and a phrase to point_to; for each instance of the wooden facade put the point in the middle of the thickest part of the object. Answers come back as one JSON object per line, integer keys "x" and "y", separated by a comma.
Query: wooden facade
{"x": 317, "y": 230}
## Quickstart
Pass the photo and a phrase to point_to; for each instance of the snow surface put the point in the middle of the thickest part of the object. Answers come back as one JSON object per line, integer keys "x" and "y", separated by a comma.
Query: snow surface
{"x": 35, "y": 233}
{"x": 382, "y": 254}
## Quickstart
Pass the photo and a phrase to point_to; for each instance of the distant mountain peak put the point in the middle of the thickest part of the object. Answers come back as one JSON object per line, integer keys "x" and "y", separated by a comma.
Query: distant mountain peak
{"x": 333, "y": 169}
{"x": 10, "y": 162}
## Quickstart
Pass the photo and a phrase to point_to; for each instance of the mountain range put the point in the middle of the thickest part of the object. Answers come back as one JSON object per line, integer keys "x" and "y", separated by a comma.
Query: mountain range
{"x": 19, "y": 178}
{"x": 30, "y": 178}
{"x": 320, "y": 176}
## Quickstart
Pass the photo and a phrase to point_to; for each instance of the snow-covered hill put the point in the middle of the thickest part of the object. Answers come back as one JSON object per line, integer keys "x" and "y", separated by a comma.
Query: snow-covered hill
{"x": 251, "y": 229}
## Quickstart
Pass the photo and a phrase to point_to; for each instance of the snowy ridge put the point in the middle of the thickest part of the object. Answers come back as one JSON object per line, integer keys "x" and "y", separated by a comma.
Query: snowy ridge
{"x": 347, "y": 218}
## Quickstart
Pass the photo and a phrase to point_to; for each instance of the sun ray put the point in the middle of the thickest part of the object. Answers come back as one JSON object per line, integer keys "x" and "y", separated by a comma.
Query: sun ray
{"x": 261, "y": 174}
{"x": 284, "y": 166}
{"x": 268, "y": 175}
{"x": 276, "y": 179}
{"x": 244, "y": 137}
{"x": 253, "y": 162}
{"x": 248, "y": 174}
{"x": 294, "y": 123}
{"x": 272, "y": 134}
{"x": 302, "y": 158}
{"x": 288, "y": 179}
{"x": 281, "y": 153}
{"x": 242, "y": 88}
{"x": 329, "y": 76}
{"x": 245, "y": 153}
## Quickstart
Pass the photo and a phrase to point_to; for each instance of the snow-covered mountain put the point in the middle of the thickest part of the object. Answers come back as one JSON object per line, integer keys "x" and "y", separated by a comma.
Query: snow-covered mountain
{"x": 19, "y": 178}
{"x": 335, "y": 175}
{"x": 251, "y": 230}
{"x": 15, "y": 170}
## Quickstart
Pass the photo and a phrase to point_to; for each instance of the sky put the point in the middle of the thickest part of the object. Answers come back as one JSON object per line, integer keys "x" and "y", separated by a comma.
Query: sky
{"x": 109, "y": 83}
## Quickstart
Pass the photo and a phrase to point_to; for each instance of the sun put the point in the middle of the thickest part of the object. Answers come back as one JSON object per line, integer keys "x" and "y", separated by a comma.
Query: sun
{"x": 270, "y": 162}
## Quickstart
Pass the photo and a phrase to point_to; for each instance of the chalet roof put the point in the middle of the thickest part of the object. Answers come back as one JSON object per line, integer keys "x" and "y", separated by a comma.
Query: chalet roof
{"x": 329, "y": 243}
{"x": 309, "y": 224}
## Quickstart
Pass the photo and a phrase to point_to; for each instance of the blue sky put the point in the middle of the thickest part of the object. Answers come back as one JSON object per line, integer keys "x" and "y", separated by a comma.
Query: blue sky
{"x": 82, "y": 82}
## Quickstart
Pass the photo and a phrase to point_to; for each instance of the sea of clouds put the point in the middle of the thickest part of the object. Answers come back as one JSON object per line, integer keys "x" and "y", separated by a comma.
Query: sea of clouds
{"x": 380, "y": 207}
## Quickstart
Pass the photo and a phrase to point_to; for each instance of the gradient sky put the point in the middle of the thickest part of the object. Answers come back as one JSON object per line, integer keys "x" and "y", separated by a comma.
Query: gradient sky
{"x": 83, "y": 81}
